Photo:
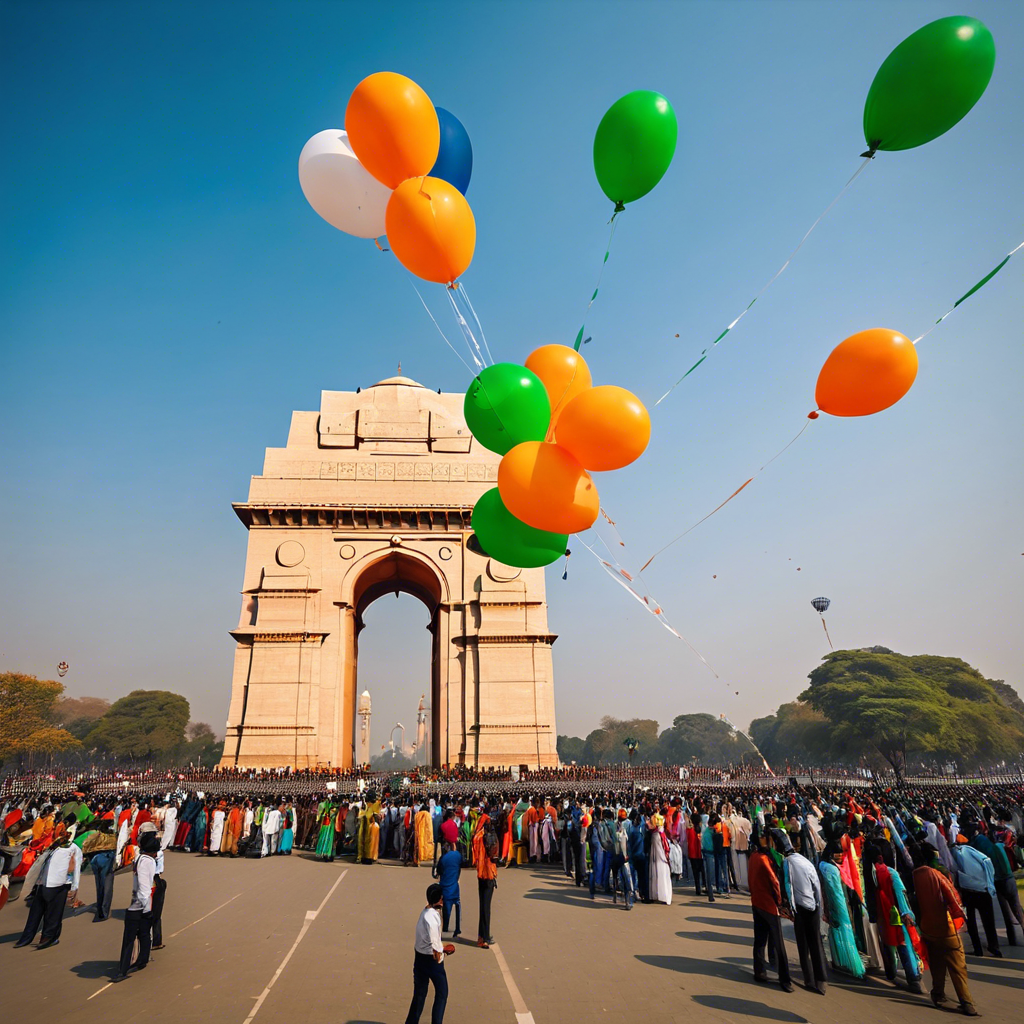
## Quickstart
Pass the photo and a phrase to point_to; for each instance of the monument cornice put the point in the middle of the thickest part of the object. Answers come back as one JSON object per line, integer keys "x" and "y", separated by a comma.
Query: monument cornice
{"x": 505, "y": 638}
{"x": 251, "y": 635}
{"x": 378, "y": 516}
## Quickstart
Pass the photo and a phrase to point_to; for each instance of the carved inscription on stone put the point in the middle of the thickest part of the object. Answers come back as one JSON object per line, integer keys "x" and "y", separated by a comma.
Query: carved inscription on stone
{"x": 455, "y": 472}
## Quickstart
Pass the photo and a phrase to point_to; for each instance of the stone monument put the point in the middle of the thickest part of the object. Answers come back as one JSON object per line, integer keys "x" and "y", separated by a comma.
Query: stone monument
{"x": 373, "y": 495}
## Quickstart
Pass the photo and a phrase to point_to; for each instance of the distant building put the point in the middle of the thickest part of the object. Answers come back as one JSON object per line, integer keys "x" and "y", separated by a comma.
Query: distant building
{"x": 363, "y": 741}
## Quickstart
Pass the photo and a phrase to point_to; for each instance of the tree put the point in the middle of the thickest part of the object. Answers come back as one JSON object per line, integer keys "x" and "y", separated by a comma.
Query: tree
{"x": 603, "y": 744}
{"x": 923, "y": 705}
{"x": 26, "y": 714}
{"x": 711, "y": 740}
{"x": 570, "y": 748}
{"x": 201, "y": 745}
{"x": 143, "y": 725}
{"x": 796, "y": 733}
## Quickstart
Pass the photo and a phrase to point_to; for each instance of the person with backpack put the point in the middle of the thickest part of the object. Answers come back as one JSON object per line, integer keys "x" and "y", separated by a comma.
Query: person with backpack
{"x": 485, "y": 860}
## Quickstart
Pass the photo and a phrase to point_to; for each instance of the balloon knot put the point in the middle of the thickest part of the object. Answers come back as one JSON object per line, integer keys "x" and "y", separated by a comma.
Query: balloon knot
{"x": 619, "y": 207}
{"x": 452, "y": 286}
{"x": 813, "y": 415}
{"x": 872, "y": 150}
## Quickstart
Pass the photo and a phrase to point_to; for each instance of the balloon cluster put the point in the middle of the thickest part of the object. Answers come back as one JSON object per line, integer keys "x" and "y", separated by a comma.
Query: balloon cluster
{"x": 400, "y": 168}
{"x": 551, "y": 426}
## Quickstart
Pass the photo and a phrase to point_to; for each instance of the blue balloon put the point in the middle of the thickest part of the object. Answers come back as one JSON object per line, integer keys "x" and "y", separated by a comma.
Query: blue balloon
{"x": 455, "y": 157}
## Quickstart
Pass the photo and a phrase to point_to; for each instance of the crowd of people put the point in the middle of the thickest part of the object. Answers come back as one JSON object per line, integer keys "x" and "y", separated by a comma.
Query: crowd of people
{"x": 883, "y": 879}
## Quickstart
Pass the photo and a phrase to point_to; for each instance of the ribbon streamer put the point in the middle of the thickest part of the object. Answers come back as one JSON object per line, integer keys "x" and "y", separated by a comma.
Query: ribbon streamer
{"x": 631, "y": 581}
{"x": 607, "y": 251}
{"x": 963, "y": 298}
{"x": 727, "y": 500}
{"x": 824, "y": 627}
{"x": 778, "y": 273}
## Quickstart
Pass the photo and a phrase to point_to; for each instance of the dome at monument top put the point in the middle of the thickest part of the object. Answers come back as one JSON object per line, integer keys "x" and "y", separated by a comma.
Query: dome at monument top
{"x": 406, "y": 381}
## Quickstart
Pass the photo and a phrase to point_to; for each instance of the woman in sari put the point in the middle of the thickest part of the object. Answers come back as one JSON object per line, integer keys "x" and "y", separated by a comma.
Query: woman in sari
{"x": 423, "y": 828}
{"x": 896, "y": 926}
{"x": 325, "y": 838}
{"x": 841, "y": 941}
{"x": 287, "y": 829}
{"x": 659, "y": 874}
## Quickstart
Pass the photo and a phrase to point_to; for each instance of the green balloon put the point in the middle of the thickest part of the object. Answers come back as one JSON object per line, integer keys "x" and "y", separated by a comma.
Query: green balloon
{"x": 511, "y": 541}
{"x": 505, "y": 405}
{"x": 928, "y": 83}
{"x": 634, "y": 145}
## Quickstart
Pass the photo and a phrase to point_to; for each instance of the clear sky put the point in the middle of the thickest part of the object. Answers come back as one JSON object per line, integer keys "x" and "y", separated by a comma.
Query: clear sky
{"x": 166, "y": 291}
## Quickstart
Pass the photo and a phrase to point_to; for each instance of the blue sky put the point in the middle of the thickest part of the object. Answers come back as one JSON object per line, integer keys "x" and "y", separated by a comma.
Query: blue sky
{"x": 166, "y": 290}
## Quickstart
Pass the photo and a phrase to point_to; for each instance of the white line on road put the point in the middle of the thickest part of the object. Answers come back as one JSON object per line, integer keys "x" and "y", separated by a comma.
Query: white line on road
{"x": 205, "y": 916}
{"x": 523, "y": 1015}
{"x": 175, "y": 935}
{"x": 310, "y": 917}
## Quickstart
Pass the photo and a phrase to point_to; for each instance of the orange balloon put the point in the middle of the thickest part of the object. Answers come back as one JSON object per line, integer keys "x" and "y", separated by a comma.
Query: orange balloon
{"x": 431, "y": 229}
{"x": 604, "y": 428}
{"x": 392, "y": 127}
{"x": 565, "y": 375}
{"x": 866, "y": 373}
{"x": 545, "y": 487}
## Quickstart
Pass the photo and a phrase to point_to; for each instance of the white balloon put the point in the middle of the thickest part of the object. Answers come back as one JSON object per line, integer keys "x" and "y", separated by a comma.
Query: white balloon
{"x": 339, "y": 188}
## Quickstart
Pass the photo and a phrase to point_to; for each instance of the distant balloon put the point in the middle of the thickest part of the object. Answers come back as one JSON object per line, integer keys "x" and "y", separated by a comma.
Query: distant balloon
{"x": 820, "y": 605}
{"x": 62, "y": 669}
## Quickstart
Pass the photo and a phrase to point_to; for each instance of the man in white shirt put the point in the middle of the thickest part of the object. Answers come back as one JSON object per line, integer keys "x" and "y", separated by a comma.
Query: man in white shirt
{"x": 271, "y": 831}
{"x": 57, "y": 877}
{"x": 803, "y": 888}
{"x": 428, "y": 965}
{"x": 138, "y": 919}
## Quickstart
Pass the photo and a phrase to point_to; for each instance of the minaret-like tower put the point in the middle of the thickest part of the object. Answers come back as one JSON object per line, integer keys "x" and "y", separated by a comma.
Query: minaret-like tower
{"x": 363, "y": 747}
{"x": 422, "y": 732}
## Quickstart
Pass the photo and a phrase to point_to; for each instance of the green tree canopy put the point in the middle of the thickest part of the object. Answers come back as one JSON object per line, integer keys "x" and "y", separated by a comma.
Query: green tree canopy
{"x": 26, "y": 716}
{"x": 571, "y": 748}
{"x": 711, "y": 740}
{"x": 923, "y": 705}
{"x": 145, "y": 724}
{"x": 796, "y": 733}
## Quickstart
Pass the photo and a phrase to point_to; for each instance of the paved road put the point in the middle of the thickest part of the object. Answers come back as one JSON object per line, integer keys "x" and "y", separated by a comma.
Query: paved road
{"x": 297, "y": 941}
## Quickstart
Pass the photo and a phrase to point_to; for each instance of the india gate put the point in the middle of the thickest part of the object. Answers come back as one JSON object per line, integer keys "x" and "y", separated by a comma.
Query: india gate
{"x": 373, "y": 495}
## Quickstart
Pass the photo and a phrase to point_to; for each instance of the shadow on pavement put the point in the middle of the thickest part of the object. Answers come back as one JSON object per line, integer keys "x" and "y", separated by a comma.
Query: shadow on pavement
{"x": 693, "y": 965}
{"x": 715, "y": 937}
{"x": 748, "y": 1008}
{"x": 572, "y": 898}
{"x": 95, "y": 968}
{"x": 718, "y": 923}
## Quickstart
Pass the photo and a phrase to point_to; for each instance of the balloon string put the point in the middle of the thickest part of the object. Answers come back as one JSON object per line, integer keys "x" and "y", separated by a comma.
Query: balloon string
{"x": 981, "y": 284}
{"x": 476, "y": 319}
{"x": 467, "y": 331}
{"x": 824, "y": 627}
{"x": 580, "y": 340}
{"x": 778, "y": 273}
{"x": 727, "y": 500}
{"x": 767, "y": 766}
{"x": 443, "y": 335}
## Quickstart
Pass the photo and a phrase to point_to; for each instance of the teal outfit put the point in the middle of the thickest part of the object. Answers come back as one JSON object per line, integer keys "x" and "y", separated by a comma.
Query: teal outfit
{"x": 841, "y": 941}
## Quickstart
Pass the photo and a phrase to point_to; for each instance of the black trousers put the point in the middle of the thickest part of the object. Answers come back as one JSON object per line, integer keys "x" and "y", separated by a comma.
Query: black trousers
{"x": 807, "y": 925}
{"x": 697, "y": 864}
{"x": 1009, "y": 902}
{"x": 980, "y": 903}
{"x": 137, "y": 925}
{"x": 485, "y": 888}
{"x": 426, "y": 971}
{"x": 47, "y": 908}
{"x": 578, "y": 857}
{"x": 159, "y": 890}
{"x": 768, "y": 929}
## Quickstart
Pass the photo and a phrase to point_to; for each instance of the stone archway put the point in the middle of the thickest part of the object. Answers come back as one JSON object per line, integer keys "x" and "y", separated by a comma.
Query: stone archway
{"x": 374, "y": 494}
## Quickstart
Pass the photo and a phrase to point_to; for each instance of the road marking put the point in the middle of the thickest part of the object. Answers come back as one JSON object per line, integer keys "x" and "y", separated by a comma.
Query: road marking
{"x": 523, "y": 1015}
{"x": 205, "y": 916}
{"x": 311, "y": 916}
{"x": 174, "y": 936}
